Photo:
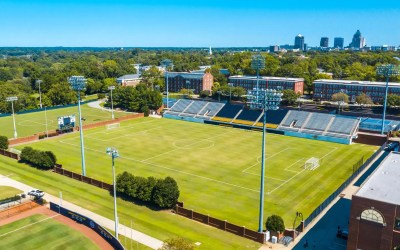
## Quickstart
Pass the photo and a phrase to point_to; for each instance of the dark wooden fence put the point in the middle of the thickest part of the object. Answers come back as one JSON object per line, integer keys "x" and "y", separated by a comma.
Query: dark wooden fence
{"x": 9, "y": 154}
{"x": 221, "y": 224}
{"x": 59, "y": 170}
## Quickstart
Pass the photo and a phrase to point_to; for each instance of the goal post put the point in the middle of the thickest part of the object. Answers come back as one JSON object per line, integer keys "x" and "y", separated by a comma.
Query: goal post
{"x": 112, "y": 126}
{"x": 311, "y": 163}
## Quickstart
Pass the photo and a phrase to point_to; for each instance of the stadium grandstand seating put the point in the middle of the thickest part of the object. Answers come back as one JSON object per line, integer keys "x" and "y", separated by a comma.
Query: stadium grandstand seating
{"x": 194, "y": 109}
{"x": 326, "y": 125}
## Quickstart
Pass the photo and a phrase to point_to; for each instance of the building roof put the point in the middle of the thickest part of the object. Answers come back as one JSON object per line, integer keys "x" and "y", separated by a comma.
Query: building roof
{"x": 129, "y": 77}
{"x": 268, "y": 78}
{"x": 356, "y": 82}
{"x": 384, "y": 182}
{"x": 186, "y": 75}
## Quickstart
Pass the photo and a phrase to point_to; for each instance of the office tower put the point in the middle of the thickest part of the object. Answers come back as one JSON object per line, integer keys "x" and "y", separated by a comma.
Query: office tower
{"x": 324, "y": 42}
{"x": 338, "y": 43}
{"x": 358, "y": 41}
{"x": 299, "y": 42}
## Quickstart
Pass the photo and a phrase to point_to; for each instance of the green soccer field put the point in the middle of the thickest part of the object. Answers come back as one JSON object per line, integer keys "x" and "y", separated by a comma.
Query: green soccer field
{"x": 42, "y": 232}
{"x": 31, "y": 123}
{"x": 217, "y": 168}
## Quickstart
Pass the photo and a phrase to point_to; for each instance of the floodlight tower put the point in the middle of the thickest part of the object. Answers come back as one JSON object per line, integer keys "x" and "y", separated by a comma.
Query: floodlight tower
{"x": 257, "y": 63}
{"x": 114, "y": 154}
{"x": 78, "y": 83}
{"x": 387, "y": 71}
{"x": 40, "y": 93}
{"x": 264, "y": 99}
{"x": 168, "y": 65}
{"x": 12, "y": 99}
{"x": 111, "y": 88}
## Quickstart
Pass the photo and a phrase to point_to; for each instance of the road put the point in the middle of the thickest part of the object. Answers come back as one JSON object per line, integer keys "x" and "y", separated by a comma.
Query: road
{"x": 103, "y": 221}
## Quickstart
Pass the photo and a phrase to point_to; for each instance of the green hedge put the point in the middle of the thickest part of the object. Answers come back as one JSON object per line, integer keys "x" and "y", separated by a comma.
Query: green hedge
{"x": 37, "y": 158}
{"x": 163, "y": 193}
{"x": 3, "y": 142}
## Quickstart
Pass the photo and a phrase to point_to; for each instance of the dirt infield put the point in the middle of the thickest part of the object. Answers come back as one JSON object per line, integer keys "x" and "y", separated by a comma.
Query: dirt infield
{"x": 92, "y": 235}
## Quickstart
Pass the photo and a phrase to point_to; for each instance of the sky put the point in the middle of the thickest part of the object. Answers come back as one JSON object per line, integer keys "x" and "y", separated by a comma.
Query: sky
{"x": 186, "y": 23}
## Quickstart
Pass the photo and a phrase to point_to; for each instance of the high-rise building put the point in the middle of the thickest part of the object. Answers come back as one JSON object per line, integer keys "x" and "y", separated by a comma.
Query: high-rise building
{"x": 273, "y": 48}
{"x": 358, "y": 41}
{"x": 324, "y": 42}
{"x": 299, "y": 42}
{"x": 338, "y": 43}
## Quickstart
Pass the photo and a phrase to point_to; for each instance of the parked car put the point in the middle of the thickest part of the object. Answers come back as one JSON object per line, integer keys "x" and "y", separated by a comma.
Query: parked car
{"x": 36, "y": 193}
{"x": 343, "y": 234}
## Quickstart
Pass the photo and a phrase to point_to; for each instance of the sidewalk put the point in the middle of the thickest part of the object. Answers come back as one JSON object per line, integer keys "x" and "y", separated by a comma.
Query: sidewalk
{"x": 105, "y": 222}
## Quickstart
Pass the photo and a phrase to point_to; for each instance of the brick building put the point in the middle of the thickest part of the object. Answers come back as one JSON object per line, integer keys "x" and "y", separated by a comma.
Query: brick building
{"x": 250, "y": 82}
{"x": 375, "y": 209}
{"x": 325, "y": 88}
{"x": 196, "y": 81}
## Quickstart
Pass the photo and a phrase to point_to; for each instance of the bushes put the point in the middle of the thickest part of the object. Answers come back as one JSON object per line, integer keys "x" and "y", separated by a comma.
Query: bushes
{"x": 163, "y": 193}
{"x": 275, "y": 224}
{"x": 37, "y": 158}
{"x": 3, "y": 142}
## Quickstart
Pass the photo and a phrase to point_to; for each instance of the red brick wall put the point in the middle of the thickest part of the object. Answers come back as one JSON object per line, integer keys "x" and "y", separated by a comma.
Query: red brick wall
{"x": 23, "y": 140}
{"x": 370, "y": 235}
{"x": 208, "y": 81}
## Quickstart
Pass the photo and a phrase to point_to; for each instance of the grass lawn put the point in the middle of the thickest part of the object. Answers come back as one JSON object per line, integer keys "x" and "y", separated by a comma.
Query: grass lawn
{"x": 31, "y": 123}
{"x": 46, "y": 233}
{"x": 217, "y": 168}
{"x": 161, "y": 225}
{"x": 7, "y": 192}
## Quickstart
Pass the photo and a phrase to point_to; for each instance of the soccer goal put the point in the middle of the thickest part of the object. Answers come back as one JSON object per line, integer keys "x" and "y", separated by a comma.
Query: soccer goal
{"x": 112, "y": 126}
{"x": 311, "y": 163}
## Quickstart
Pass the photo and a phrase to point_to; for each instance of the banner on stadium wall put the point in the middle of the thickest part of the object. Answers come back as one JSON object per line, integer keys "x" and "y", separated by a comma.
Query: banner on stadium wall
{"x": 89, "y": 223}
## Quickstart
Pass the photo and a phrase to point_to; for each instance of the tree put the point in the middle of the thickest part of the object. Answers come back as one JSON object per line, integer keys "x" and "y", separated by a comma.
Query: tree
{"x": 3, "y": 142}
{"x": 177, "y": 244}
{"x": 166, "y": 193}
{"x": 393, "y": 100}
{"x": 340, "y": 98}
{"x": 364, "y": 99}
{"x": 275, "y": 224}
{"x": 290, "y": 96}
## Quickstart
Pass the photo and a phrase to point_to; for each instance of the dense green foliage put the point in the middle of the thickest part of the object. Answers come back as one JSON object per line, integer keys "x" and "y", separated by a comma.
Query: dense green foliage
{"x": 177, "y": 244}
{"x": 289, "y": 96}
{"x": 21, "y": 67}
{"x": 37, "y": 158}
{"x": 393, "y": 100}
{"x": 3, "y": 142}
{"x": 275, "y": 224}
{"x": 163, "y": 193}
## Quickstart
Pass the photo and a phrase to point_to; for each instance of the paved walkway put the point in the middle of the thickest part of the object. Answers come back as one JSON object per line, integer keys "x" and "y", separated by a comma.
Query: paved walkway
{"x": 105, "y": 222}
{"x": 96, "y": 105}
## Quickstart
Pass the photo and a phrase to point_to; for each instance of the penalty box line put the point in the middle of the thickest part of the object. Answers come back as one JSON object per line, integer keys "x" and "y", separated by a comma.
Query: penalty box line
{"x": 269, "y": 157}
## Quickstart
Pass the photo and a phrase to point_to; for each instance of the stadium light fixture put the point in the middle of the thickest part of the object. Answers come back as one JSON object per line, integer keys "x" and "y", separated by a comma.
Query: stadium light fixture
{"x": 257, "y": 63}
{"x": 264, "y": 99}
{"x": 78, "y": 84}
{"x": 12, "y": 99}
{"x": 387, "y": 71}
{"x": 114, "y": 154}
{"x": 167, "y": 64}
{"x": 111, "y": 88}
{"x": 40, "y": 93}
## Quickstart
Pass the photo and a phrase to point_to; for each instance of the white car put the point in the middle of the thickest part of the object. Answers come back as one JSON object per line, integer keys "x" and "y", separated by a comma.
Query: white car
{"x": 36, "y": 192}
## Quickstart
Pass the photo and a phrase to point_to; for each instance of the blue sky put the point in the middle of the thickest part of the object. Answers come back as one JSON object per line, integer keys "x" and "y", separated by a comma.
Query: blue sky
{"x": 217, "y": 23}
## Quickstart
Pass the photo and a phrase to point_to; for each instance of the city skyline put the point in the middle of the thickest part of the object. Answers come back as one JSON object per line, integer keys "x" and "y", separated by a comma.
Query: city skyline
{"x": 107, "y": 23}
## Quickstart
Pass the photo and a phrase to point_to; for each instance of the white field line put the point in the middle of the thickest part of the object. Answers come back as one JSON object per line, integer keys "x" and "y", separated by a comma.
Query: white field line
{"x": 288, "y": 167}
{"x": 272, "y": 178}
{"x": 142, "y": 132}
{"x": 283, "y": 150}
{"x": 191, "y": 144}
{"x": 171, "y": 169}
{"x": 122, "y": 128}
{"x": 29, "y": 225}
{"x": 333, "y": 149}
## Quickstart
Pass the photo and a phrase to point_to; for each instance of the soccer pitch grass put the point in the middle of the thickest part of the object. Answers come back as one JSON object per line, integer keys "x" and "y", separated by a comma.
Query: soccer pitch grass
{"x": 217, "y": 168}
{"x": 42, "y": 232}
{"x": 32, "y": 123}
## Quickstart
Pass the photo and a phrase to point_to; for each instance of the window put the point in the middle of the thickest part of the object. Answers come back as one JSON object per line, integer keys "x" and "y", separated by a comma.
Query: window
{"x": 373, "y": 215}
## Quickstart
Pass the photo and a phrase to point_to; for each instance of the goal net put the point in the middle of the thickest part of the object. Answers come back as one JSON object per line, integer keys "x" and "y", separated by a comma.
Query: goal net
{"x": 112, "y": 126}
{"x": 311, "y": 163}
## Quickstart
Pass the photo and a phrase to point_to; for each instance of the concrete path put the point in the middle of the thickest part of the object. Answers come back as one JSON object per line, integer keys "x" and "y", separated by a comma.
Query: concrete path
{"x": 105, "y": 222}
{"x": 96, "y": 105}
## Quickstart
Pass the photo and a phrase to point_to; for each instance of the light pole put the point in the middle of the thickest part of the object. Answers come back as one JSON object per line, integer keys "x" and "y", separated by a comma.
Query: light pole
{"x": 111, "y": 88}
{"x": 12, "y": 99}
{"x": 267, "y": 99}
{"x": 40, "y": 93}
{"x": 114, "y": 154}
{"x": 387, "y": 71}
{"x": 78, "y": 83}
{"x": 167, "y": 64}
{"x": 257, "y": 63}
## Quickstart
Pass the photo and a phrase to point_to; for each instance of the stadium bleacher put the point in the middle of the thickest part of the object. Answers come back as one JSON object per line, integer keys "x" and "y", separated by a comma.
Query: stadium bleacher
{"x": 194, "y": 109}
{"x": 180, "y": 105}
